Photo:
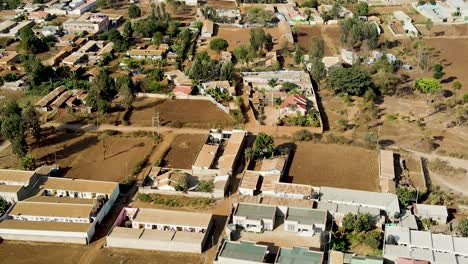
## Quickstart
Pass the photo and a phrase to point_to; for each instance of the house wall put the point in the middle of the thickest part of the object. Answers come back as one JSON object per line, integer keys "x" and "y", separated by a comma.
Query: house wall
{"x": 50, "y": 219}
{"x": 222, "y": 260}
{"x": 118, "y": 242}
{"x": 46, "y": 236}
{"x": 196, "y": 229}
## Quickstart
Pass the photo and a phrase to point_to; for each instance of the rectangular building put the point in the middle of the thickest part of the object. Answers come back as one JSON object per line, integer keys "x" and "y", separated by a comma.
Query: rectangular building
{"x": 243, "y": 252}
{"x": 15, "y": 185}
{"x": 255, "y": 217}
{"x": 90, "y": 23}
{"x": 305, "y": 221}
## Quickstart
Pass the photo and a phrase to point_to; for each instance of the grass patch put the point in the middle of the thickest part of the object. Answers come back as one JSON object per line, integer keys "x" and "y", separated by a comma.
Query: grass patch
{"x": 176, "y": 201}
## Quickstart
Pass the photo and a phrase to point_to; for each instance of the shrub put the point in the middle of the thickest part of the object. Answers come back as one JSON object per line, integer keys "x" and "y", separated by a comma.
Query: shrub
{"x": 206, "y": 186}
{"x": 304, "y": 135}
{"x": 463, "y": 227}
{"x": 218, "y": 44}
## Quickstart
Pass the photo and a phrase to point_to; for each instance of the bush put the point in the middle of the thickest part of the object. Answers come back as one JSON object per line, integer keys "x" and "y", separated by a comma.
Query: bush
{"x": 463, "y": 227}
{"x": 405, "y": 195}
{"x": 206, "y": 186}
{"x": 373, "y": 239}
{"x": 218, "y": 44}
{"x": 304, "y": 135}
{"x": 176, "y": 201}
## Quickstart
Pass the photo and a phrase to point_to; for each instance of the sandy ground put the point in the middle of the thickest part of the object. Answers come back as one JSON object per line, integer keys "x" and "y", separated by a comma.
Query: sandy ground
{"x": 191, "y": 113}
{"x": 237, "y": 36}
{"x": 183, "y": 151}
{"x": 330, "y": 34}
{"x": 335, "y": 166}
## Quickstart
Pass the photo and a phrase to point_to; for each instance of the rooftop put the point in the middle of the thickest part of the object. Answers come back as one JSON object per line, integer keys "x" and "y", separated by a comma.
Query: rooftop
{"x": 307, "y": 216}
{"x": 243, "y": 250}
{"x": 15, "y": 175}
{"x": 255, "y": 211}
{"x": 430, "y": 210}
{"x": 302, "y": 189}
{"x": 172, "y": 217}
{"x": 49, "y": 209}
{"x": 206, "y": 156}
{"x": 49, "y": 226}
{"x": 78, "y": 185}
{"x": 299, "y": 255}
{"x": 386, "y": 168}
{"x": 249, "y": 180}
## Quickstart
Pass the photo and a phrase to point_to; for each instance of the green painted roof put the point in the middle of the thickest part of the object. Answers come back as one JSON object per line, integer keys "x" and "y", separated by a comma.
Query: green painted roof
{"x": 366, "y": 260}
{"x": 299, "y": 256}
{"x": 256, "y": 211}
{"x": 307, "y": 216}
{"x": 243, "y": 250}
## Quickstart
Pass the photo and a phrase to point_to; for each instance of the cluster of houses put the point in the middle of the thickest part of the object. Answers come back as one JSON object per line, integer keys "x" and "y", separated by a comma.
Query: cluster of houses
{"x": 449, "y": 11}
{"x": 216, "y": 162}
{"x": 51, "y": 209}
{"x": 60, "y": 98}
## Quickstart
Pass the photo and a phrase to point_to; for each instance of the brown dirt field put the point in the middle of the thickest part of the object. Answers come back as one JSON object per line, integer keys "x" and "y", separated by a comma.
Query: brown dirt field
{"x": 8, "y": 160}
{"x": 220, "y": 4}
{"x": 128, "y": 256}
{"x": 444, "y": 30}
{"x": 49, "y": 253}
{"x": 335, "y": 166}
{"x": 449, "y": 53}
{"x": 183, "y": 151}
{"x": 30, "y": 252}
{"x": 189, "y": 113}
{"x": 82, "y": 155}
{"x": 237, "y": 36}
{"x": 416, "y": 176}
{"x": 330, "y": 34}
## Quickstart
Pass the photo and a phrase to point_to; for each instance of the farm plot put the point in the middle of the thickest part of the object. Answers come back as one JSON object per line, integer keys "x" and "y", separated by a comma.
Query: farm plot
{"x": 330, "y": 35}
{"x": 177, "y": 113}
{"x": 86, "y": 156}
{"x": 183, "y": 151}
{"x": 237, "y": 36}
{"x": 335, "y": 166}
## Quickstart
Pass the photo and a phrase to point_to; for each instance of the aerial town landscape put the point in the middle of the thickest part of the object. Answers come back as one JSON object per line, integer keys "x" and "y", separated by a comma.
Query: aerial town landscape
{"x": 234, "y": 131}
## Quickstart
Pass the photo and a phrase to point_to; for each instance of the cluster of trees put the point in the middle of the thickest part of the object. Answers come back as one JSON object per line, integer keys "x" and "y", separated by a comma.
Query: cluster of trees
{"x": 356, "y": 230}
{"x": 316, "y": 52}
{"x": 219, "y": 94}
{"x": 362, "y": 9}
{"x": 353, "y": 80}
{"x": 134, "y": 11}
{"x": 158, "y": 21}
{"x": 152, "y": 82}
{"x": 264, "y": 147}
{"x": 30, "y": 43}
{"x": 257, "y": 15}
{"x": 310, "y": 119}
{"x": 259, "y": 41}
{"x": 310, "y": 3}
{"x": 101, "y": 92}
{"x": 121, "y": 43}
{"x": 16, "y": 124}
{"x": 9, "y": 4}
{"x": 204, "y": 68}
{"x": 355, "y": 32}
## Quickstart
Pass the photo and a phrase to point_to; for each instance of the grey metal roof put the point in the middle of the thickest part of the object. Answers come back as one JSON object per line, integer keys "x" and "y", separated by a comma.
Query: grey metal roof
{"x": 256, "y": 211}
{"x": 307, "y": 216}
{"x": 244, "y": 251}
{"x": 299, "y": 255}
{"x": 421, "y": 239}
{"x": 442, "y": 242}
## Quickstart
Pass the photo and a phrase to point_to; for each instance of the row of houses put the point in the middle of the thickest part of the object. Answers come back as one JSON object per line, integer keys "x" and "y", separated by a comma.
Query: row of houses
{"x": 51, "y": 209}
{"x": 60, "y": 98}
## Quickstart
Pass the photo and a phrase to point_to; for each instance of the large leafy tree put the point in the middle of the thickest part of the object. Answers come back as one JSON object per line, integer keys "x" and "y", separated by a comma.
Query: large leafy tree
{"x": 134, "y": 11}
{"x": 427, "y": 85}
{"x": 353, "y": 81}
{"x": 102, "y": 92}
{"x": 218, "y": 44}
{"x": 257, "y": 39}
{"x": 29, "y": 42}
{"x": 362, "y": 9}
{"x": 31, "y": 119}
{"x": 264, "y": 145}
{"x": 13, "y": 128}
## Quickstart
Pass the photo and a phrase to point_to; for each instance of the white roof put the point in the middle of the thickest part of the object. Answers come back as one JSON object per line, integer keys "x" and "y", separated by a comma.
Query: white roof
{"x": 400, "y": 234}
{"x": 443, "y": 257}
{"x": 429, "y": 210}
{"x": 402, "y": 16}
{"x": 385, "y": 201}
{"x": 461, "y": 245}
{"x": 422, "y": 254}
{"x": 442, "y": 242}
{"x": 421, "y": 239}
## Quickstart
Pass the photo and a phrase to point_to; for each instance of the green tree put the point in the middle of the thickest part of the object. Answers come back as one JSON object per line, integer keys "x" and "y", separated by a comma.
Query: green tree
{"x": 352, "y": 81}
{"x": 227, "y": 71}
{"x": 264, "y": 145}
{"x": 405, "y": 195}
{"x": 102, "y": 92}
{"x": 28, "y": 162}
{"x": 206, "y": 186}
{"x": 429, "y": 24}
{"x": 134, "y": 11}
{"x": 128, "y": 30}
{"x": 297, "y": 55}
{"x": 317, "y": 69}
{"x": 241, "y": 53}
{"x": 362, "y": 9}
{"x": 29, "y": 42}
{"x": 257, "y": 39}
{"x": 348, "y": 221}
{"x": 125, "y": 88}
{"x": 31, "y": 119}
{"x": 463, "y": 227}
{"x": 157, "y": 38}
{"x": 12, "y": 128}
{"x": 362, "y": 223}
{"x": 4, "y": 205}
{"x": 218, "y": 44}
{"x": 317, "y": 48}
{"x": 373, "y": 239}
{"x": 456, "y": 85}
{"x": 427, "y": 85}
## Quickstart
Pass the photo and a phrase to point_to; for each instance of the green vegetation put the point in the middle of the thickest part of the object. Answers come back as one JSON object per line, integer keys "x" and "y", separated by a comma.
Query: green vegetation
{"x": 134, "y": 11}
{"x": 356, "y": 32}
{"x": 206, "y": 186}
{"x": 31, "y": 44}
{"x": 257, "y": 15}
{"x": 352, "y": 81}
{"x": 427, "y": 85}
{"x": 176, "y": 201}
{"x": 218, "y": 44}
{"x": 406, "y": 195}
{"x": 120, "y": 43}
{"x": 305, "y": 135}
{"x": 311, "y": 119}
{"x": 362, "y": 9}
{"x": 437, "y": 71}
{"x": 4, "y": 205}
{"x": 463, "y": 227}
{"x": 264, "y": 146}
{"x": 456, "y": 85}
{"x": 101, "y": 92}
{"x": 310, "y": 3}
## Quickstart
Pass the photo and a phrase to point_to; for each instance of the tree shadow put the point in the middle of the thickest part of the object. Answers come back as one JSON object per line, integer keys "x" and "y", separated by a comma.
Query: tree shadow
{"x": 448, "y": 79}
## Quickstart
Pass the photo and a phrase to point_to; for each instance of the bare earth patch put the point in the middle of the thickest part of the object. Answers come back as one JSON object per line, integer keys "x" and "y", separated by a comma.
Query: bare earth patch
{"x": 183, "y": 151}
{"x": 335, "y": 166}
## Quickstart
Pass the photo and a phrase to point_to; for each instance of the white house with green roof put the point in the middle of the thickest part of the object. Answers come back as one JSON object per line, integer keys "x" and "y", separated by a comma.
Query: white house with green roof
{"x": 305, "y": 221}
{"x": 255, "y": 217}
{"x": 299, "y": 255}
{"x": 243, "y": 252}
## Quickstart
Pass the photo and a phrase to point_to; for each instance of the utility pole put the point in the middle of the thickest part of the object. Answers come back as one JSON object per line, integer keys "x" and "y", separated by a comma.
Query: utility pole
{"x": 155, "y": 122}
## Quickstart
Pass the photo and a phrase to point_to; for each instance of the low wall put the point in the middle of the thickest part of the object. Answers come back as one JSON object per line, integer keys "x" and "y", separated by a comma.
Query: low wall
{"x": 147, "y": 190}
{"x": 186, "y": 97}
